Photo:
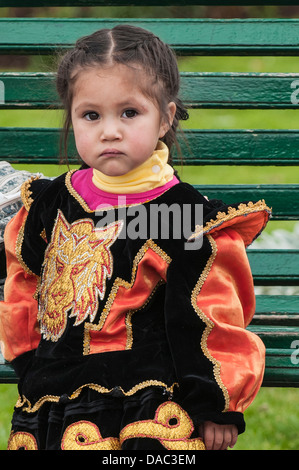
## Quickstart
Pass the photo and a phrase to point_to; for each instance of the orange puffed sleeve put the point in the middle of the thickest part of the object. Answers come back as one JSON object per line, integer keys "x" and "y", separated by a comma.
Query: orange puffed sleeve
{"x": 227, "y": 302}
{"x": 19, "y": 331}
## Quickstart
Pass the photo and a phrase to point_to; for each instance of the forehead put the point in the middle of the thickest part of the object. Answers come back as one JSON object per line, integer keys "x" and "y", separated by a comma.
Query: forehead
{"x": 115, "y": 80}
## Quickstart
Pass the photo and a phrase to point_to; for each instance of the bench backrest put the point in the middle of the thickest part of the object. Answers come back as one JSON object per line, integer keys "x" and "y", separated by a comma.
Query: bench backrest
{"x": 277, "y": 317}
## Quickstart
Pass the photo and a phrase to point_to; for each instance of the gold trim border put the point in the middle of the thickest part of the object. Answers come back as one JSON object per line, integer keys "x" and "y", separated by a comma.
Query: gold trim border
{"x": 26, "y": 193}
{"x": 208, "y": 322}
{"x": 73, "y": 192}
{"x": 24, "y": 403}
{"x": 233, "y": 212}
{"x": 18, "y": 250}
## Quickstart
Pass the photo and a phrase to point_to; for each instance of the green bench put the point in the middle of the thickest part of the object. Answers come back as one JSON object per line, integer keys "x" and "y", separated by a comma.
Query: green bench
{"x": 277, "y": 316}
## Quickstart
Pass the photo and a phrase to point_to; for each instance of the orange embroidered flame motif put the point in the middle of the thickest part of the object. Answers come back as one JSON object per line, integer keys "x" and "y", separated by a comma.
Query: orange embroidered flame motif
{"x": 77, "y": 263}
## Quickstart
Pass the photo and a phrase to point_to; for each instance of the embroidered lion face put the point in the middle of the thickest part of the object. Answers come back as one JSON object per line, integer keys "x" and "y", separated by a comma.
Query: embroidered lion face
{"x": 77, "y": 263}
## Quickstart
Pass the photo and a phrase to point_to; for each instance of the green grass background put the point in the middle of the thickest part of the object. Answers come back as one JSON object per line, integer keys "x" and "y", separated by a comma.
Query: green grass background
{"x": 273, "y": 418}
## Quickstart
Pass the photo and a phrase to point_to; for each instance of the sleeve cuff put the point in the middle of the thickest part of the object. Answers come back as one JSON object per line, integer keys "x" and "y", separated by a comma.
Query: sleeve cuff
{"x": 229, "y": 417}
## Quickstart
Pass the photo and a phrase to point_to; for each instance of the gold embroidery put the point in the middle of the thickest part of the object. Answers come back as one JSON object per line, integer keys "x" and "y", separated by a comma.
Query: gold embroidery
{"x": 26, "y": 193}
{"x": 84, "y": 435}
{"x": 21, "y": 440}
{"x": 24, "y": 403}
{"x": 207, "y": 321}
{"x": 127, "y": 285}
{"x": 44, "y": 235}
{"x": 77, "y": 262}
{"x": 18, "y": 249}
{"x": 172, "y": 427}
{"x": 73, "y": 192}
{"x": 243, "y": 209}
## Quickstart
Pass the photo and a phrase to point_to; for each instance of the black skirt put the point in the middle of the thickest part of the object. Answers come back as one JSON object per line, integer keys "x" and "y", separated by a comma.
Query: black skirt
{"x": 149, "y": 420}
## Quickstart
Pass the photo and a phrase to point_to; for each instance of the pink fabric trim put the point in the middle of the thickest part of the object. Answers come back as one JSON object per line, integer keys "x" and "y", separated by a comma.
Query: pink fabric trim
{"x": 95, "y": 197}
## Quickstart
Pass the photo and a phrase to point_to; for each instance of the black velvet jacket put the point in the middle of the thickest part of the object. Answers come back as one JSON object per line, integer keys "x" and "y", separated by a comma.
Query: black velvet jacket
{"x": 119, "y": 313}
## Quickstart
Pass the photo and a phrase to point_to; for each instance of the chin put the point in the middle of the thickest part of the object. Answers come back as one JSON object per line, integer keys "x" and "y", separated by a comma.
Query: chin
{"x": 113, "y": 172}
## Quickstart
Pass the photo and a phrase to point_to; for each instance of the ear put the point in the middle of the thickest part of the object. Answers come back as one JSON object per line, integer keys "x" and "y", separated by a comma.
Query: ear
{"x": 166, "y": 124}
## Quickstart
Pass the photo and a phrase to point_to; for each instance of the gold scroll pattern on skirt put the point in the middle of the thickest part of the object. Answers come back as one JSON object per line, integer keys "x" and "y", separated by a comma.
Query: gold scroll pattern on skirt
{"x": 171, "y": 426}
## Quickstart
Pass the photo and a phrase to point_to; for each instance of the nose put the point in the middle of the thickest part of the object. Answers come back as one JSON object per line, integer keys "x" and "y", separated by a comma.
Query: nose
{"x": 110, "y": 130}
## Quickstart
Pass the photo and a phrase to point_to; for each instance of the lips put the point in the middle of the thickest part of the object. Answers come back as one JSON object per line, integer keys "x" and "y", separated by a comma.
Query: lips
{"x": 110, "y": 153}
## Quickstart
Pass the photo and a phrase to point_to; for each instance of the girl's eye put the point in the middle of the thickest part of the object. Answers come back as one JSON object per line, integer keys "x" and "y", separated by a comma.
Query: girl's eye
{"x": 92, "y": 116}
{"x": 130, "y": 113}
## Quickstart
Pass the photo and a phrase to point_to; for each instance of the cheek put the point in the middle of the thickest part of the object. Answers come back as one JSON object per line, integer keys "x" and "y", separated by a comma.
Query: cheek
{"x": 142, "y": 146}
{"x": 82, "y": 139}
{"x": 145, "y": 135}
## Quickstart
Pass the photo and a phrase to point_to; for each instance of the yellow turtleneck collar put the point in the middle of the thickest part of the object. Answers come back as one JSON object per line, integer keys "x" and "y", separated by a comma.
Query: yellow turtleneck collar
{"x": 154, "y": 172}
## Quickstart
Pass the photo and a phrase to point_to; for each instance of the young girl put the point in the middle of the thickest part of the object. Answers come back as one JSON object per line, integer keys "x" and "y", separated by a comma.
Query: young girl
{"x": 123, "y": 341}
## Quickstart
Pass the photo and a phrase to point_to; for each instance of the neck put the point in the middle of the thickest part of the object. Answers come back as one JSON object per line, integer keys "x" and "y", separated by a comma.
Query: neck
{"x": 154, "y": 172}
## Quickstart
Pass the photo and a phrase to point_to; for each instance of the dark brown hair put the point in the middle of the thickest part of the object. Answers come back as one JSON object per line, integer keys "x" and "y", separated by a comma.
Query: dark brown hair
{"x": 131, "y": 46}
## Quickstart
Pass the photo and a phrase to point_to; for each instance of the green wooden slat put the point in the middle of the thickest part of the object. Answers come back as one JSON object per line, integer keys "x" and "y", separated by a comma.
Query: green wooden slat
{"x": 29, "y": 91}
{"x": 276, "y": 336}
{"x": 191, "y": 36}
{"x": 199, "y": 90}
{"x": 240, "y": 90}
{"x": 282, "y": 360}
{"x": 283, "y": 199}
{"x": 280, "y": 371}
{"x": 7, "y": 373}
{"x": 207, "y": 147}
{"x": 240, "y": 147}
{"x": 41, "y": 146}
{"x": 274, "y": 267}
{"x": 276, "y": 310}
{"x": 30, "y": 145}
{"x": 277, "y": 304}
{"x": 281, "y": 378}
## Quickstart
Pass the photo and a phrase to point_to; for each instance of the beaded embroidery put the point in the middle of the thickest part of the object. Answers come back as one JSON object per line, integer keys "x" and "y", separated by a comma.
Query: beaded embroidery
{"x": 21, "y": 441}
{"x": 84, "y": 435}
{"x": 26, "y": 193}
{"x": 27, "y": 407}
{"x": 18, "y": 249}
{"x": 77, "y": 263}
{"x": 171, "y": 426}
{"x": 222, "y": 217}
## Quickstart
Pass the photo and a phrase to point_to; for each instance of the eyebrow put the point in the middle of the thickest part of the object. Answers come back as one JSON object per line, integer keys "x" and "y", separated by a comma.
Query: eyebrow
{"x": 85, "y": 105}
{"x": 131, "y": 102}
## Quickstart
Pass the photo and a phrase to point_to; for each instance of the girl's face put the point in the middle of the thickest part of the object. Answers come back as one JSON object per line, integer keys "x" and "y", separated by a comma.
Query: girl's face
{"x": 116, "y": 126}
